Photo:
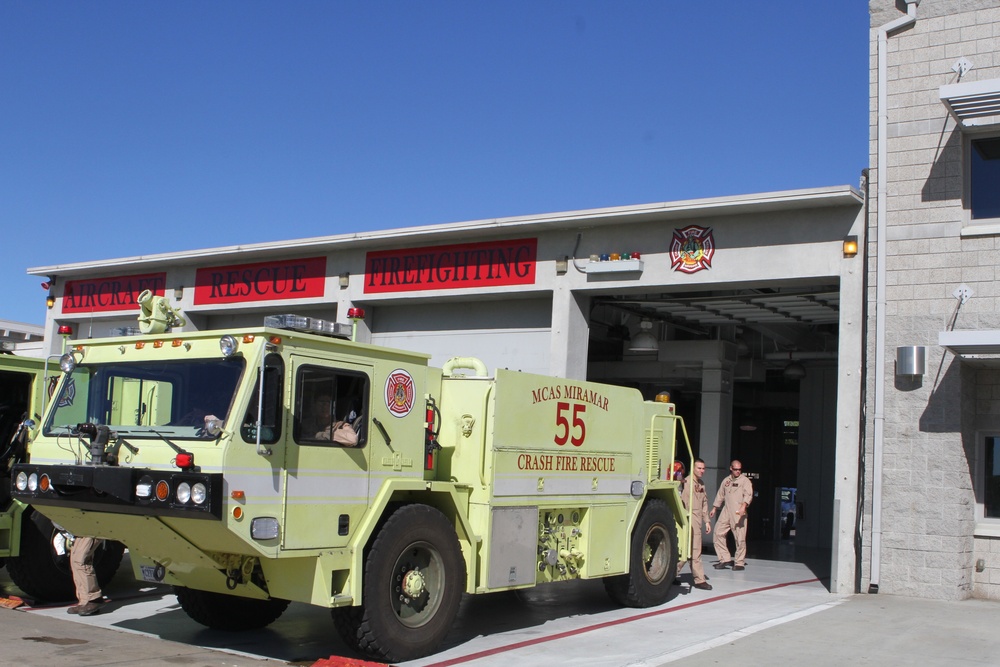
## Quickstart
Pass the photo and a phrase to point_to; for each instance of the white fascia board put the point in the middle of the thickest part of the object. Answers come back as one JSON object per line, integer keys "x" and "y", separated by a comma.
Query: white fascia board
{"x": 963, "y": 343}
{"x": 843, "y": 195}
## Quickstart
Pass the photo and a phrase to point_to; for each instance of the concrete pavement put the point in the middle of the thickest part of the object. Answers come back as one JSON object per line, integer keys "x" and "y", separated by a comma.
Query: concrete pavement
{"x": 744, "y": 620}
{"x": 34, "y": 640}
{"x": 865, "y": 630}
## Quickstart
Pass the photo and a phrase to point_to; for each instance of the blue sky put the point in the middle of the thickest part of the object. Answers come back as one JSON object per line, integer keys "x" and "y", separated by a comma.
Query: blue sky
{"x": 135, "y": 128}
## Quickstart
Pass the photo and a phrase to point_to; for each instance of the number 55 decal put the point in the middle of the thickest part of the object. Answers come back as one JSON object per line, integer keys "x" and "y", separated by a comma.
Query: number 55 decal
{"x": 562, "y": 420}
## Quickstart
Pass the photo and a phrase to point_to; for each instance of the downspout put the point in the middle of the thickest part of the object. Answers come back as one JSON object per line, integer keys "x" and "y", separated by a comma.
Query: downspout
{"x": 880, "y": 282}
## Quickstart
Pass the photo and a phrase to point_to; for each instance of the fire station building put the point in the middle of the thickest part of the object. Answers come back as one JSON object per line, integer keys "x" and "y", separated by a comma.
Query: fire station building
{"x": 749, "y": 310}
{"x": 839, "y": 341}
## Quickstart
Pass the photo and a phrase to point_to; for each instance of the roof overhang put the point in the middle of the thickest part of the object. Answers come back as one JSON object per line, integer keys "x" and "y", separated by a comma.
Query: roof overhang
{"x": 975, "y": 104}
{"x": 978, "y": 346}
{"x": 767, "y": 202}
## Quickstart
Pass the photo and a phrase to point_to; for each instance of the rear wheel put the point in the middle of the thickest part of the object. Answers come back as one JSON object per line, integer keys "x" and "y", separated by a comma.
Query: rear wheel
{"x": 42, "y": 570}
{"x": 413, "y": 582}
{"x": 228, "y": 612}
{"x": 652, "y": 561}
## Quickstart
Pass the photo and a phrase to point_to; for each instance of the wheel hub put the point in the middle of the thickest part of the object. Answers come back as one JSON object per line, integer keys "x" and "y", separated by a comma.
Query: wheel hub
{"x": 413, "y": 583}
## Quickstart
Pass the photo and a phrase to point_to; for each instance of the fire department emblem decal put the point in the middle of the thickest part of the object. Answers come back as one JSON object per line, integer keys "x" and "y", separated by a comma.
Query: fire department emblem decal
{"x": 399, "y": 393}
{"x": 691, "y": 249}
{"x": 69, "y": 395}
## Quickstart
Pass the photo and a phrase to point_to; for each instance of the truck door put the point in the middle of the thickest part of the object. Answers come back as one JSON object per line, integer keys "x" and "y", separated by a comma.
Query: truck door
{"x": 327, "y": 453}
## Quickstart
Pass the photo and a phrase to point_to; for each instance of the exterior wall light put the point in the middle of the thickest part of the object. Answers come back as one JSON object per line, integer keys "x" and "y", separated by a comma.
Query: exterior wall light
{"x": 345, "y": 280}
{"x": 911, "y": 360}
{"x": 850, "y": 246}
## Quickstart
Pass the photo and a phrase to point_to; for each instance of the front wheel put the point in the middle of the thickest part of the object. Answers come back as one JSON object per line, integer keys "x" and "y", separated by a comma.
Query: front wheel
{"x": 229, "y": 612}
{"x": 413, "y": 581}
{"x": 652, "y": 561}
{"x": 42, "y": 569}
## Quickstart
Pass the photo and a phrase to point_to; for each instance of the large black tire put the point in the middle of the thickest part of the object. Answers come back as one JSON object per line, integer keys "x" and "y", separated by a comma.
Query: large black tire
{"x": 229, "y": 612}
{"x": 652, "y": 561}
{"x": 44, "y": 574}
{"x": 412, "y": 587}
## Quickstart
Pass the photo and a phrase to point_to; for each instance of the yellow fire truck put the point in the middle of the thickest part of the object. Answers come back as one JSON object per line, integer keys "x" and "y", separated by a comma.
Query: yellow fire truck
{"x": 253, "y": 467}
{"x": 35, "y": 552}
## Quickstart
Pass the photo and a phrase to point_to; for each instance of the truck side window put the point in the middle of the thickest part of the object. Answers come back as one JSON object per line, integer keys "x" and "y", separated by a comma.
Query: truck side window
{"x": 270, "y": 431}
{"x": 330, "y": 407}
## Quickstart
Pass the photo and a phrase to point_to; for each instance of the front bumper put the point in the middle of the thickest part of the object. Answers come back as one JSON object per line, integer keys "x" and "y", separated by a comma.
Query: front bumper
{"x": 113, "y": 489}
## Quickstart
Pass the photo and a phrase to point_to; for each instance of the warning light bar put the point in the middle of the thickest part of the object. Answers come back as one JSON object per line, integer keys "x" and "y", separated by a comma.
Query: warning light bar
{"x": 312, "y": 325}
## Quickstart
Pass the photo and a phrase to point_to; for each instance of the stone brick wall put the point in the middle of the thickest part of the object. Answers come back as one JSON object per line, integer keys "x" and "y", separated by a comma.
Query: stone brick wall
{"x": 929, "y": 548}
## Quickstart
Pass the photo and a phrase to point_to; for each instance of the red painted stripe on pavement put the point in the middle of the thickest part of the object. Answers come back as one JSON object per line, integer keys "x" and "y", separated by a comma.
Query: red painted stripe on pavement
{"x": 608, "y": 624}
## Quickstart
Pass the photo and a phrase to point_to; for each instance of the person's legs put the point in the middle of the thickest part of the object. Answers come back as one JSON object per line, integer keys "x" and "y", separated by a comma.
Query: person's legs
{"x": 81, "y": 560}
{"x": 696, "y": 566}
{"x": 722, "y": 528}
{"x": 740, "y": 534}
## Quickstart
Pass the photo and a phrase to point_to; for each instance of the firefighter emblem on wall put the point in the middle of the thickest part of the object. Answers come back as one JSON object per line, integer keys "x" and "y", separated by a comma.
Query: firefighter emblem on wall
{"x": 692, "y": 249}
{"x": 399, "y": 393}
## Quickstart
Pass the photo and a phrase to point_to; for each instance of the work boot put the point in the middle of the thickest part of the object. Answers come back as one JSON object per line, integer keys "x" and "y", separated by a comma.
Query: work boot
{"x": 91, "y": 608}
{"x": 722, "y": 566}
{"x": 75, "y": 609}
{"x": 738, "y": 568}
{"x": 705, "y": 586}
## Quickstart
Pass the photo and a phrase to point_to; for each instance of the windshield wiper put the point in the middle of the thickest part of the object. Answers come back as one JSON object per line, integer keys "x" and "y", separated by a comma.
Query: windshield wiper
{"x": 165, "y": 439}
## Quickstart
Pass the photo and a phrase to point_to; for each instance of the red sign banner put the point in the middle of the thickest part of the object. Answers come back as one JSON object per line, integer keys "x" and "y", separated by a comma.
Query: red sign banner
{"x": 487, "y": 264}
{"x": 263, "y": 281}
{"x": 98, "y": 295}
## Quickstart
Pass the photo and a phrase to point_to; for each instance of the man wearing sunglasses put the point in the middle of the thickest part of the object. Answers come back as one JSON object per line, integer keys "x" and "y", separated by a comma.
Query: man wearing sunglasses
{"x": 734, "y": 497}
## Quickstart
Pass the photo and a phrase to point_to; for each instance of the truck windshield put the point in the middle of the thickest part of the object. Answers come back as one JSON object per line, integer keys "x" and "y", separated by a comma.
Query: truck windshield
{"x": 149, "y": 399}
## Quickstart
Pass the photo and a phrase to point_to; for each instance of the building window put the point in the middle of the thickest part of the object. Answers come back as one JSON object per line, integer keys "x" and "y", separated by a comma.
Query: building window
{"x": 984, "y": 179}
{"x": 991, "y": 478}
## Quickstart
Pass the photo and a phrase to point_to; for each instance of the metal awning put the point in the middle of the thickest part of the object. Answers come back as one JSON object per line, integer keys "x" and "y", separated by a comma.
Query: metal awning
{"x": 973, "y": 104}
{"x": 971, "y": 344}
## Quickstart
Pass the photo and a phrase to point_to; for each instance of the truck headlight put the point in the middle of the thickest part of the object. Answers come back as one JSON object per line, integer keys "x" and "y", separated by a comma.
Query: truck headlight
{"x": 228, "y": 344}
{"x": 183, "y": 492}
{"x": 33, "y": 482}
{"x": 67, "y": 363}
{"x": 21, "y": 481}
{"x": 198, "y": 493}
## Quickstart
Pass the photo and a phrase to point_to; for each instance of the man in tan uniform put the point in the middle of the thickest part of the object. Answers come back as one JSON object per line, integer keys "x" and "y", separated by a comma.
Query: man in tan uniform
{"x": 699, "y": 518}
{"x": 89, "y": 598}
{"x": 734, "y": 497}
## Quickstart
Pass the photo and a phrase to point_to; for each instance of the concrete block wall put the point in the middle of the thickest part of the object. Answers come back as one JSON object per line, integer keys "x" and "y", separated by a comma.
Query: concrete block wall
{"x": 929, "y": 547}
